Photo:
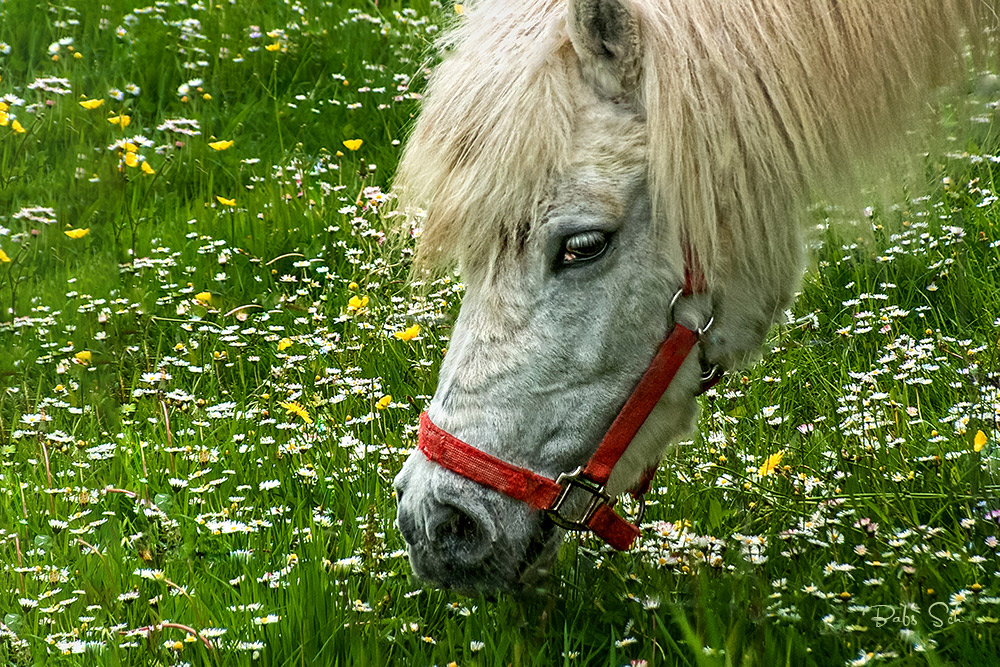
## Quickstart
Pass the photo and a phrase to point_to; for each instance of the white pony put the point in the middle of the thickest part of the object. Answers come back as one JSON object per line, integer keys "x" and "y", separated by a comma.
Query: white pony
{"x": 583, "y": 160}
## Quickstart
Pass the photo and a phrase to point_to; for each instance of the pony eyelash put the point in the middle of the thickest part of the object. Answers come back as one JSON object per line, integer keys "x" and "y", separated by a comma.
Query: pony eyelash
{"x": 570, "y": 256}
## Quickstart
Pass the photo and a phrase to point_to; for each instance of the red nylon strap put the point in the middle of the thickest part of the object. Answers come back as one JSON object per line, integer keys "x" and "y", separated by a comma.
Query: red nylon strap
{"x": 694, "y": 277}
{"x": 540, "y": 492}
{"x": 519, "y": 483}
{"x": 612, "y": 528}
{"x": 647, "y": 394}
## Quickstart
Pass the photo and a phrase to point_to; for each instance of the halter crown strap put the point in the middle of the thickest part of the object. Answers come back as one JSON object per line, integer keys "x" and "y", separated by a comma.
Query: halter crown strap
{"x": 640, "y": 404}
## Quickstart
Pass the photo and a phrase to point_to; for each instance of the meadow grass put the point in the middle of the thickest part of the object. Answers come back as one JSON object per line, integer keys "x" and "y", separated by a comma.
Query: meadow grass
{"x": 204, "y": 399}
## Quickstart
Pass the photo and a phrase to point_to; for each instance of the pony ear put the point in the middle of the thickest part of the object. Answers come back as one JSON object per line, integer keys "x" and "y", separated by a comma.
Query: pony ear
{"x": 605, "y": 36}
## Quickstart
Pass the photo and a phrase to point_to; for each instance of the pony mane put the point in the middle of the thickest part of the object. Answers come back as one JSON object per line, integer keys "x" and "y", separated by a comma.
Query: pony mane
{"x": 751, "y": 106}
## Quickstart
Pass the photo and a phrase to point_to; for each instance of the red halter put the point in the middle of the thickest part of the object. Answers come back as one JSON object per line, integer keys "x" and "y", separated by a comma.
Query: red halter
{"x": 549, "y": 495}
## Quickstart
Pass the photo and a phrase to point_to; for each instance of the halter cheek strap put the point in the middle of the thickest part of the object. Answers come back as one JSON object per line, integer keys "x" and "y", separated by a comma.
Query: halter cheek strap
{"x": 550, "y": 495}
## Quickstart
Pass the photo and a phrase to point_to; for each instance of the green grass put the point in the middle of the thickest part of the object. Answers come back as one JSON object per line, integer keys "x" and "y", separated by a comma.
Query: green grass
{"x": 154, "y": 472}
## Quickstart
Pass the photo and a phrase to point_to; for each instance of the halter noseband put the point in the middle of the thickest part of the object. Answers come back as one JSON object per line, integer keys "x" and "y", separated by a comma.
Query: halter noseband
{"x": 550, "y": 495}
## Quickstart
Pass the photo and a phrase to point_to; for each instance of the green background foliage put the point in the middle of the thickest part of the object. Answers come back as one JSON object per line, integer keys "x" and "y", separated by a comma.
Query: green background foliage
{"x": 203, "y": 405}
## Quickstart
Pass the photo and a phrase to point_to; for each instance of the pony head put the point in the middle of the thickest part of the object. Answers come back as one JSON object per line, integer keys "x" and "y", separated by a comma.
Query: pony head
{"x": 577, "y": 161}
{"x": 545, "y": 198}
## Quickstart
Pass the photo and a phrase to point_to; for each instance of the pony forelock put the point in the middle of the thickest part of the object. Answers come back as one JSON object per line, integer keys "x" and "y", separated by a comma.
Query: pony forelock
{"x": 496, "y": 125}
{"x": 752, "y": 107}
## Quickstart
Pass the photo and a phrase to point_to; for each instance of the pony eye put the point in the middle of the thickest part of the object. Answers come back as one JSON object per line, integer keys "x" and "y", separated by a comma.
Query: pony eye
{"x": 583, "y": 247}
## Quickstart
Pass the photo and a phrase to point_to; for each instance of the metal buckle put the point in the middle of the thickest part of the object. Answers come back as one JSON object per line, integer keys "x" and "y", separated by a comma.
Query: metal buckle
{"x": 569, "y": 480}
{"x": 641, "y": 512}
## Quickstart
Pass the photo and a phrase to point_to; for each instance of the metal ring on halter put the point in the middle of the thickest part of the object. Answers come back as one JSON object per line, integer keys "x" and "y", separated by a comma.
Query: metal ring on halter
{"x": 673, "y": 304}
{"x": 708, "y": 325}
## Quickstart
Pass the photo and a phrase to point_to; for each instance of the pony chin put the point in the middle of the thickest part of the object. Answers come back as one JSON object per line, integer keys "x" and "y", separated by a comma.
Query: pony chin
{"x": 508, "y": 570}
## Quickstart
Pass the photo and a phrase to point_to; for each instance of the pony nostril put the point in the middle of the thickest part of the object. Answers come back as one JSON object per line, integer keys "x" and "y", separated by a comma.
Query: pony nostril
{"x": 454, "y": 525}
{"x": 459, "y": 534}
{"x": 460, "y": 526}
